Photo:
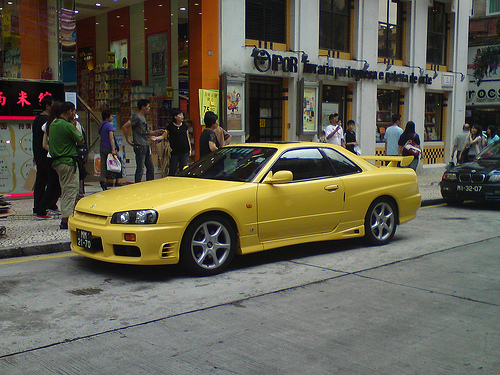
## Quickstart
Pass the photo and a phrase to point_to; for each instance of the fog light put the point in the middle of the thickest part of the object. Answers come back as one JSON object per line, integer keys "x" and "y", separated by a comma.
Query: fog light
{"x": 130, "y": 237}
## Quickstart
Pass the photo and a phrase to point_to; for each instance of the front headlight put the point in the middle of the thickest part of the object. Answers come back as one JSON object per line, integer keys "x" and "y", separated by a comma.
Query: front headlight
{"x": 451, "y": 176}
{"x": 495, "y": 177}
{"x": 135, "y": 217}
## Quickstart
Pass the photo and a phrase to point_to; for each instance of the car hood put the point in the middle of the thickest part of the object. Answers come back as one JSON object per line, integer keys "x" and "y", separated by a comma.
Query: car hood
{"x": 155, "y": 194}
{"x": 477, "y": 166}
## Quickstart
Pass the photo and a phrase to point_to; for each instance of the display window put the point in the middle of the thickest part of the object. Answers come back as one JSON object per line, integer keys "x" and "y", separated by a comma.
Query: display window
{"x": 387, "y": 105}
{"x": 433, "y": 122}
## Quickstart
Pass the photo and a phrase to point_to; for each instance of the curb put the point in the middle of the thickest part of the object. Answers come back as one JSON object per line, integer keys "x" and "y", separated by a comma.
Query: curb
{"x": 36, "y": 249}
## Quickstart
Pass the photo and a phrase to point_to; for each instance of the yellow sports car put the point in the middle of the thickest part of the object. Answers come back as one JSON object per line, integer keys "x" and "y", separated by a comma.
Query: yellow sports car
{"x": 247, "y": 198}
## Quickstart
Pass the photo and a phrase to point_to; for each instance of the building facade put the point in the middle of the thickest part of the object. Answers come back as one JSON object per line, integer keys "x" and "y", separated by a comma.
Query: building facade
{"x": 274, "y": 70}
{"x": 483, "y": 95}
{"x": 299, "y": 61}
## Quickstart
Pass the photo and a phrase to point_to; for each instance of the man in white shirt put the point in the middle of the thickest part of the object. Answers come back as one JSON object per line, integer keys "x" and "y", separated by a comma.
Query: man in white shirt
{"x": 333, "y": 132}
{"x": 392, "y": 134}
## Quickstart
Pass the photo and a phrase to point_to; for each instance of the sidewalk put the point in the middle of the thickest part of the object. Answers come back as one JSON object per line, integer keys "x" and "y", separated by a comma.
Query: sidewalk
{"x": 26, "y": 235}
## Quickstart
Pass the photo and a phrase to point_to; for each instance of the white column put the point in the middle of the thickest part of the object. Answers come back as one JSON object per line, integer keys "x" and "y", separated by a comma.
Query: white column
{"x": 365, "y": 92}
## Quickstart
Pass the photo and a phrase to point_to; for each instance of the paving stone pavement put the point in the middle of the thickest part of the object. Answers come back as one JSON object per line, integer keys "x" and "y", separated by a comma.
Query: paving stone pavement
{"x": 28, "y": 235}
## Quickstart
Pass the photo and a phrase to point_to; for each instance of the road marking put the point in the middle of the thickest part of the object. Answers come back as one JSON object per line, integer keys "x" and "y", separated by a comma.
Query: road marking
{"x": 36, "y": 257}
{"x": 434, "y": 205}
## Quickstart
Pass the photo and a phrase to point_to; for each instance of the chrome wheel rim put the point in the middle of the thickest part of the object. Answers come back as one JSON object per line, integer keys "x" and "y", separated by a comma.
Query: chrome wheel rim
{"x": 382, "y": 221}
{"x": 210, "y": 245}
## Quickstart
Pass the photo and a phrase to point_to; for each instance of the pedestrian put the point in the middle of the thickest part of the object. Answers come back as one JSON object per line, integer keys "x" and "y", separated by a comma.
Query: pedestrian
{"x": 491, "y": 135}
{"x": 82, "y": 155}
{"x": 107, "y": 146}
{"x": 141, "y": 135}
{"x": 350, "y": 137}
{"x": 223, "y": 136}
{"x": 63, "y": 138}
{"x": 46, "y": 190}
{"x": 392, "y": 134}
{"x": 409, "y": 135}
{"x": 177, "y": 133}
{"x": 473, "y": 144}
{"x": 208, "y": 138}
{"x": 459, "y": 141}
{"x": 333, "y": 132}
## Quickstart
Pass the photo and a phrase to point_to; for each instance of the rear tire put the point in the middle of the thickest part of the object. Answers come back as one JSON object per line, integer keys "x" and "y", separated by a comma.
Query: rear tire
{"x": 380, "y": 222}
{"x": 208, "y": 245}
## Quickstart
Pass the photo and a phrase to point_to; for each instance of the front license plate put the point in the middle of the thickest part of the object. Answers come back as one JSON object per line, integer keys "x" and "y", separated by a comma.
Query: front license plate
{"x": 469, "y": 188}
{"x": 84, "y": 238}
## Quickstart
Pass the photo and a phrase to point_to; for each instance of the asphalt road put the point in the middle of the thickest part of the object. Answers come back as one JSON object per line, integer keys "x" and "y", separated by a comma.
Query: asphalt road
{"x": 427, "y": 303}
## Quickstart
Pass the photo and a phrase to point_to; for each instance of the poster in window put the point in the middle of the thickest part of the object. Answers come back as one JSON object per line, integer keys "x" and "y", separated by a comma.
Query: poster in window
{"x": 234, "y": 110}
{"x": 309, "y": 110}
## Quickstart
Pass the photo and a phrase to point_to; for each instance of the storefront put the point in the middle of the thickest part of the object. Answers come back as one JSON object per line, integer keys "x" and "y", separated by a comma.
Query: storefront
{"x": 483, "y": 96}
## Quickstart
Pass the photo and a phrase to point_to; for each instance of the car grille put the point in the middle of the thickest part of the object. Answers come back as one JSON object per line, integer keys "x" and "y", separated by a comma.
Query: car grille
{"x": 475, "y": 178}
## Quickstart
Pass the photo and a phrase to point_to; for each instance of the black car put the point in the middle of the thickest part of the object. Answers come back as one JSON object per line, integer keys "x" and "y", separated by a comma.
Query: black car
{"x": 478, "y": 180}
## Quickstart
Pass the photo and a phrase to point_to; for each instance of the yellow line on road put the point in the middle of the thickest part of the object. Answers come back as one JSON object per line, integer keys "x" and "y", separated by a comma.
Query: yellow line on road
{"x": 37, "y": 257}
{"x": 435, "y": 205}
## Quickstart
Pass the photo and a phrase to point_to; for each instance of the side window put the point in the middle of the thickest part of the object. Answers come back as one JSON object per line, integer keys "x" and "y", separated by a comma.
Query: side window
{"x": 305, "y": 164}
{"x": 341, "y": 164}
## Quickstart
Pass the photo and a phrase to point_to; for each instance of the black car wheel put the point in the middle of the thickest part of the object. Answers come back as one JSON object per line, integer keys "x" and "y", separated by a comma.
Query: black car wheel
{"x": 380, "y": 222}
{"x": 208, "y": 245}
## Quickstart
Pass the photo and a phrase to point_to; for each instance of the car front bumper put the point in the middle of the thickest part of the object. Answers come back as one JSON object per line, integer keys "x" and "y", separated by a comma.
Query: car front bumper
{"x": 470, "y": 191}
{"x": 154, "y": 244}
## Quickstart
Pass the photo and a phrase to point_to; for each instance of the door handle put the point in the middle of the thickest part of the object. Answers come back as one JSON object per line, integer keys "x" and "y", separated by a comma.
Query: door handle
{"x": 331, "y": 187}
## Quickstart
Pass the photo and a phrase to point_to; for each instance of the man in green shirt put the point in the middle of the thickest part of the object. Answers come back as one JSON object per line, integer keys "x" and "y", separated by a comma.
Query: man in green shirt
{"x": 63, "y": 138}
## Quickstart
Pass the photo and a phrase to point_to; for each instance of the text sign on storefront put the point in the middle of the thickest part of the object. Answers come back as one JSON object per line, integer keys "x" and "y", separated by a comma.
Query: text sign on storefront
{"x": 20, "y": 99}
{"x": 264, "y": 61}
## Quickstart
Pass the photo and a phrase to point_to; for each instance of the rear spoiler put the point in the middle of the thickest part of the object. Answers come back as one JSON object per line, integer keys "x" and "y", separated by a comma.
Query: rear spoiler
{"x": 394, "y": 161}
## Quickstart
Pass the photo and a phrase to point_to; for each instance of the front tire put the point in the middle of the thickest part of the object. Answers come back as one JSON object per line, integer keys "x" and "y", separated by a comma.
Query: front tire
{"x": 380, "y": 222}
{"x": 208, "y": 245}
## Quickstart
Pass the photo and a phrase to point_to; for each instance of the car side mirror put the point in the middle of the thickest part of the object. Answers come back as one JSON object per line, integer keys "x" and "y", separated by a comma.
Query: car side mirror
{"x": 280, "y": 177}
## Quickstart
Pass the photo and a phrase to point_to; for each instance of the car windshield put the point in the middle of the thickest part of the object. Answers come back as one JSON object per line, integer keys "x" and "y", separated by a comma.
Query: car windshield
{"x": 492, "y": 152}
{"x": 231, "y": 164}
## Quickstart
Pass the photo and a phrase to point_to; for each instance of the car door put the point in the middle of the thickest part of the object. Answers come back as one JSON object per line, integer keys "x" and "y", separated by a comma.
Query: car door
{"x": 310, "y": 204}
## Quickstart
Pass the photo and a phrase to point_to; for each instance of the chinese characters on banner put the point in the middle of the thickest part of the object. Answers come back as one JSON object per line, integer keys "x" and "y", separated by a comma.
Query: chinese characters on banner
{"x": 19, "y": 104}
{"x": 209, "y": 101}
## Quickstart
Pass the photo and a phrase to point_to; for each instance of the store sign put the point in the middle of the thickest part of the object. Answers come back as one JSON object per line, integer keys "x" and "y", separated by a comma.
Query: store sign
{"x": 489, "y": 93}
{"x": 20, "y": 99}
{"x": 264, "y": 61}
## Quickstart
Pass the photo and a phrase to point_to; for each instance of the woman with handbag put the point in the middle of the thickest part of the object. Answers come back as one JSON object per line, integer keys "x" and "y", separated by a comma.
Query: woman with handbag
{"x": 473, "y": 144}
{"x": 107, "y": 146}
{"x": 409, "y": 144}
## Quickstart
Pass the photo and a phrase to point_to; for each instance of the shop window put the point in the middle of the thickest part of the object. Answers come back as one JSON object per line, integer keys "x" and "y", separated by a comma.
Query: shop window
{"x": 334, "y": 101}
{"x": 436, "y": 35}
{"x": 387, "y": 105}
{"x": 390, "y": 29}
{"x": 433, "y": 121}
{"x": 334, "y": 25}
{"x": 493, "y": 7}
{"x": 266, "y": 20}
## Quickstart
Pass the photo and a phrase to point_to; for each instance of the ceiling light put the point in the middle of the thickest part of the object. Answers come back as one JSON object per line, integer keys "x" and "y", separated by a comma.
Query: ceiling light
{"x": 183, "y": 9}
{"x": 117, "y": 16}
{"x": 98, "y": 4}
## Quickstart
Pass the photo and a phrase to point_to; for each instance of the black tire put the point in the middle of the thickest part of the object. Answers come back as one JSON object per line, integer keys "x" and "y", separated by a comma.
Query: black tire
{"x": 208, "y": 245}
{"x": 380, "y": 222}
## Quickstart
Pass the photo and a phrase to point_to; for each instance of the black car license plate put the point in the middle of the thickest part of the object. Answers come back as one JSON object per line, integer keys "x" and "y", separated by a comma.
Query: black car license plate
{"x": 469, "y": 188}
{"x": 84, "y": 238}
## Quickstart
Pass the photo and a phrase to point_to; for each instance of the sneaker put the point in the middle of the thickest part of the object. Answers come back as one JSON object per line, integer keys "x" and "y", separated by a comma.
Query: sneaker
{"x": 43, "y": 217}
{"x": 63, "y": 225}
{"x": 54, "y": 211}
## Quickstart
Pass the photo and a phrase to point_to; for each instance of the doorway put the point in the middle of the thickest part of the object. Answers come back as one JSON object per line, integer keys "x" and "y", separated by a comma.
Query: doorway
{"x": 266, "y": 111}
